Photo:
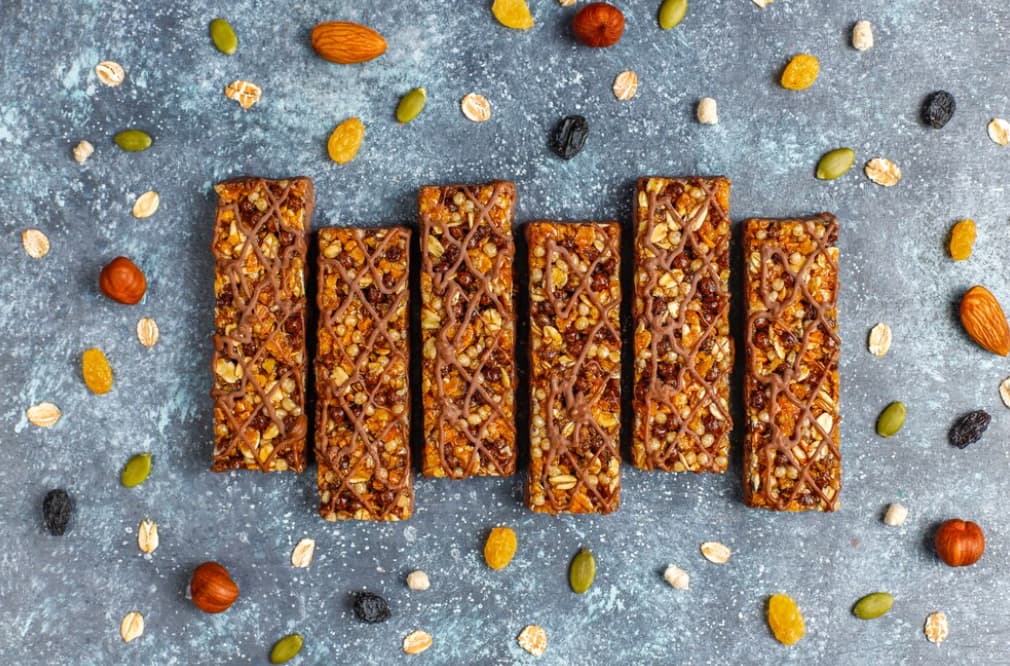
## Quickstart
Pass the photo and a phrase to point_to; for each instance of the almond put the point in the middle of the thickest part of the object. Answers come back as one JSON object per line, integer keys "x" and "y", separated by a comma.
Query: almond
{"x": 347, "y": 43}
{"x": 984, "y": 321}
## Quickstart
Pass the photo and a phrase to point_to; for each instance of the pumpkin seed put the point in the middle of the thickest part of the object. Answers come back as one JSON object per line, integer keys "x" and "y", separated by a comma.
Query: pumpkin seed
{"x": 835, "y": 163}
{"x": 873, "y": 606}
{"x": 286, "y": 648}
{"x": 411, "y": 105}
{"x": 133, "y": 140}
{"x": 223, "y": 36}
{"x": 891, "y": 419}
{"x": 672, "y": 12}
{"x": 582, "y": 572}
{"x": 136, "y": 470}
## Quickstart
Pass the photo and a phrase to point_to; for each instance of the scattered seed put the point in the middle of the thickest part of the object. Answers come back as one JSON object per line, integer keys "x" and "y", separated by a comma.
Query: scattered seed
{"x": 969, "y": 428}
{"x": 411, "y": 105}
{"x": 301, "y": 556}
{"x": 286, "y": 649}
{"x": 862, "y": 36}
{"x": 625, "y": 85}
{"x": 873, "y": 606}
{"x": 82, "y": 151}
{"x": 938, "y": 109}
{"x": 418, "y": 580}
{"x": 882, "y": 172}
{"x": 671, "y": 13}
{"x": 57, "y": 508}
{"x": 891, "y": 419}
{"x": 880, "y": 339}
{"x": 147, "y": 536}
{"x": 999, "y": 131}
{"x": 44, "y": 414}
{"x": 246, "y": 93}
{"x": 677, "y": 578}
{"x": 476, "y": 107}
{"x": 371, "y": 608}
{"x": 132, "y": 626}
{"x": 147, "y": 332}
{"x": 895, "y": 515}
{"x": 416, "y": 642}
{"x": 835, "y": 163}
{"x": 35, "y": 242}
{"x": 133, "y": 140}
{"x": 715, "y": 552}
{"x": 1004, "y": 391}
{"x": 345, "y": 141}
{"x": 936, "y": 628}
{"x": 582, "y": 571}
{"x": 146, "y": 204}
{"x": 707, "y": 111}
{"x": 136, "y": 470}
{"x": 110, "y": 73}
{"x": 223, "y": 36}
{"x": 533, "y": 639}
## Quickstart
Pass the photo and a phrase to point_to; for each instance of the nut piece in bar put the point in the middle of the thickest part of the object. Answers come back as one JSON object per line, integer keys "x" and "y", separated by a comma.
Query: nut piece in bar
{"x": 468, "y": 330}
{"x": 575, "y": 367}
{"x": 259, "y": 364}
{"x": 683, "y": 349}
{"x": 792, "y": 460}
{"x": 361, "y": 369}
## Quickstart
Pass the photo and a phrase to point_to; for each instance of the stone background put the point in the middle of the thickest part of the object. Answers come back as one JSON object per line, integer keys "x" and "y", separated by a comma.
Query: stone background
{"x": 63, "y": 598}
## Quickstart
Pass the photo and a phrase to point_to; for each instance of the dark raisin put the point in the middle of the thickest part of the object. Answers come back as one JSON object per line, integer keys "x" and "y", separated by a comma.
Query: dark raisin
{"x": 370, "y": 607}
{"x": 56, "y": 510}
{"x": 569, "y": 136}
{"x": 969, "y": 428}
{"x": 938, "y": 109}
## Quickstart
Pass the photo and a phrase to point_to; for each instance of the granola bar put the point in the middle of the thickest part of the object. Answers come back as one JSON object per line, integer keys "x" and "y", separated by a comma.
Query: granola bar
{"x": 792, "y": 460}
{"x": 683, "y": 349}
{"x": 361, "y": 367}
{"x": 259, "y": 364}
{"x": 575, "y": 367}
{"x": 468, "y": 330}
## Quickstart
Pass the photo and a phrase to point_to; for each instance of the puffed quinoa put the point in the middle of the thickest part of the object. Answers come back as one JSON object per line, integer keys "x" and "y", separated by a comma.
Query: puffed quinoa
{"x": 708, "y": 111}
{"x": 418, "y": 580}
{"x": 862, "y": 35}
{"x": 895, "y": 515}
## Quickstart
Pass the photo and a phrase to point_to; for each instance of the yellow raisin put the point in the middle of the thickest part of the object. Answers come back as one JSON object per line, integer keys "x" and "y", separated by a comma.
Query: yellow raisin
{"x": 785, "y": 619}
{"x": 962, "y": 237}
{"x": 500, "y": 547}
{"x": 345, "y": 140}
{"x": 96, "y": 370}
{"x": 513, "y": 14}
{"x": 801, "y": 72}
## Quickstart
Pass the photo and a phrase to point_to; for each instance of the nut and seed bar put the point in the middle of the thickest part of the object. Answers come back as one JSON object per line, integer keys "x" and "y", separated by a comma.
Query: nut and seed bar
{"x": 575, "y": 367}
{"x": 792, "y": 460}
{"x": 259, "y": 364}
{"x": 683, "y": 349}
{"x": 361, "y": 366}
{"x": 468, "y": 330}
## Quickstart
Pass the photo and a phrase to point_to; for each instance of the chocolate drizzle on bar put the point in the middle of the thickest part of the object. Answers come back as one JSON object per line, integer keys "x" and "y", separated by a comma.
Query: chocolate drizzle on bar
{"x": 575, "y": 367}
{"x": 683, "y": 350}
{"x": 792, "y": 460}
{"x": 259, "y": 363}
{"x": 362, "y": 423}
{"x": 468, "y": 329}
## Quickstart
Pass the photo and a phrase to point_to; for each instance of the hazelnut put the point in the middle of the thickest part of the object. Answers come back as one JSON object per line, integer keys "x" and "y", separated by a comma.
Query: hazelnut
{"x": 122, "y": 281}
{"x": 959, "y": 543}
{"x": 598, "y": 24}
{"x": 212, "y": 588}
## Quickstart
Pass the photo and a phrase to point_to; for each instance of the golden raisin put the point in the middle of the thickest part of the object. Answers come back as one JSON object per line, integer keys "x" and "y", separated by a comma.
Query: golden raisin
{"x": 513, "y": 14}
{"x": 962, "y": 237}
{"x": 345, "y": 140}
{"x": 96, "y": 370}
{"x": 500, "y": 547}
{"x": 801, "y": 72}
{"x": 785, "y": 619}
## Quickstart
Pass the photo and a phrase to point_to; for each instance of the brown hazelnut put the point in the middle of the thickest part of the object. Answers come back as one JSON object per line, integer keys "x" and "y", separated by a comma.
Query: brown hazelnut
{"x": 122, "y": 281}
{"x": 959, "y": 543}
{"x": 212, "y": 588}
{"x": 598, "y": 24}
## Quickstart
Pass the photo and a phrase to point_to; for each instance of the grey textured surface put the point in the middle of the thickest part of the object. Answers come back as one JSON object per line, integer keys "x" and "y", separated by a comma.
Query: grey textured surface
{"x": 63, "y": 598}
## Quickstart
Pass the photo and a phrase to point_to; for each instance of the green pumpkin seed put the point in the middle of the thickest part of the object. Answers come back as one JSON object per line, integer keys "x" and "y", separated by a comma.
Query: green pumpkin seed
{"x": 835, "y": 163}
{"x": 223, "y": 36}
{"x": 672, "y": 12}
{"x": 891, "y": 419}
{"x": 136, "y": 471}
{"x": 133, "y": 140}
{"x": 411, "y": 105}
{"x": 873, "y": 606}
{"x": 286, "y": 648}
{"x": 582, "y": 572}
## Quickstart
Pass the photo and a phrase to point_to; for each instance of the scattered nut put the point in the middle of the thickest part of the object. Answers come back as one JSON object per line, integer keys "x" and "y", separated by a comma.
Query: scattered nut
{"x": 896, "y": 514}
{"x": 35, "y": 242}
{"x": 416, "y": 642}
{"x": 110, "y": 73}
{"x": 708, "y": 111}
{"x": 1004, "y": 391}
{"x": 212, "y": 589}
{"x": 301, "y": 556}
{"x": 862, "y": 36}
{"x": 677, "y": 578}
{"x": 147, "y": 332}
{"x": 476, "y": 107}
{"x": 44, "y": 414}
{"x": 82, "y": 151}
{"x": 418, "y": 580}
{"x": 625, "y": 85}
{"x": 146, "y": 205}
{"x": 883, "y": 172}
{"x": 999, "y": 131}
{"x": 246, "y": 93}
{"x": 880, "y": 339}
{"x": 715, "y": 552}
{"x": 533, "y": 639}
{"x": 122, "y": 281}
{"x": 132, "y": 626}
{"x": 598, "y": 25}
{"x": 936, "y": 628}
{"x": 147, "y": 536}
{"x": 959, "y": 543}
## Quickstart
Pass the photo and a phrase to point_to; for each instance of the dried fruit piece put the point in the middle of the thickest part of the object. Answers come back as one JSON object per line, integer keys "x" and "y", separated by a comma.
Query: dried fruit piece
{"x": 801, "y": 72}
{"x": 708, "y": 111}
{"x": 880, "y": 339}
{"x": 983, "y": 319}
{"x": 122, "y": 281}
{"x": 625, "y": 85}
{"x": 133, "y": 140}
{"x": 677, "y": 577}
{"x": 896, "y": 515}
{"x": 286, "y": 649}
{"x": 82, "y": 151}
{"x": 57, "y": 508}
{"x": 513, "y": 14}
{"x": 959, "y": 543}
{"x": 582, "y": 571}
{"x": 785, "y": 619}
{"x": 301, "y": 556}
{"x": 882, "y": 172}
{"x": 715, "y": 552}
{"x": 500, "y": 547}
{"x": 418, "y": 580}
{"x": 862, "y": 36}
{"x": 475, "y": 107}
{"x": 999, "y": 131}
{"x": 43, "y": 415}
{"x": 371, "y": 608}
{"x": 147, "y": 332}
{"x": 891, "y": 419}
{"x": 835, "y": 163}
{"x": 938, "y": 108}
{"x": 936, "y": 628}
{"x": 969, "y": 428}
{"x": 136, "y": 470}
{"x": 962, "y": 237}
{"x": 146, "y": 205}
{"x": 873, "y": 606}
{"x": 416, "y": 642}
{"x": 96, "y": 371}
{"x": 246, "y": 93}
{"x": 411, "y": 105}
{"x": 110, "y": 73}
{"x": 147, "y": 536}
{"x": 347, "y": 43}
{"x": 346, "y": 140}
{"x": 569, "y": 136}
{"x": 598, "y": 25}
{"x": 132, "y": 626}
{"x": 223, "y": 36}
{"x": 671, "y": 13}
{"x": 1004, "y": 391}
{"x": 533, "y": 639}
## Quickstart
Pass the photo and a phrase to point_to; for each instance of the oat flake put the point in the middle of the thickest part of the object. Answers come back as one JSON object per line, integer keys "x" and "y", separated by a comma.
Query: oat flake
{"x": 883, "y": 172}
{"x": 301, "y": 556}
{"x": 132, "y": 626}
{"x": 110, "y": 73}
{"x": 146, "y": 205}
{"x": 567, "y": 3}
{"x": 416, "y": 642}
{"x": 35, "y": 242}
{"x": 936, "y": 628}
{"x": 147, "y": 536}
{"x": 476, "y": 107}
{"x": 44, "y": 414}
{"x": 1004, "y": 391}
{"x": 533, "y": 639}
{"x": 625, "y": 85}
{"x": 715, "y": 552}
{"x": 999, "y": 131}
{"x": 762, "y": 3}
{"x": 246, "y": 93}
{"x": 147, "y": 332}
{"x": 880, "y": 339}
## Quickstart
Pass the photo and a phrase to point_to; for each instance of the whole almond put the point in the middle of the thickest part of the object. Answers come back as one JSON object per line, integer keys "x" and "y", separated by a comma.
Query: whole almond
{"x": 347, "y": 43}
{"x": 984, "y": 321}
